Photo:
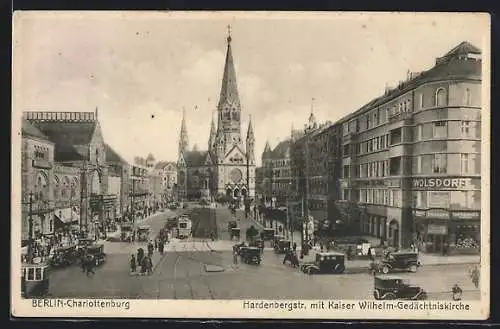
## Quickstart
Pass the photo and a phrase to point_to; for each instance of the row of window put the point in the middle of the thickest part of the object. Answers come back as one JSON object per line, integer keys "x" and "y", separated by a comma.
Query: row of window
{"x": 41, "y": 152}
{"x": 421, "y": 199}
{"x": 437, "y": 129}
{"x": 423, "y": 164}
{"x": 377, "y": 116}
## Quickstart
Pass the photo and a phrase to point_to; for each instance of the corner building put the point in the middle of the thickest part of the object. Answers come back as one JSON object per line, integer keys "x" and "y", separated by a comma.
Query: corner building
{"x": 411, "y": 159}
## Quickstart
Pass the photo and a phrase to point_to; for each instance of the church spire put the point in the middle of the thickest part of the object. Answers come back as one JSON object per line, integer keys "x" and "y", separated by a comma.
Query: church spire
{"x": 213, "y": 134}
{"x": 183, "y": 137}
{"x": 229, "y": 90}
{"x": 250, "y": 128}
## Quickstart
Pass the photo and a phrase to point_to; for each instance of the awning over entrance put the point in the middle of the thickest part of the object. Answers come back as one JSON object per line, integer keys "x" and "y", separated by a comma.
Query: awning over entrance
{"x": 66, "y": 216}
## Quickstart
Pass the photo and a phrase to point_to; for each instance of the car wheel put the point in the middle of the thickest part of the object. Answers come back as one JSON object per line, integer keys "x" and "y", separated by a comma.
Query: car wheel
{"x": 376, "y": 295}
{"x": 385, "y": 269}
{"x": 413, "y": 268}
{"x": 339, "y": 269}
{"x": 310, "y": 270}
{"x": 390, "y": 296}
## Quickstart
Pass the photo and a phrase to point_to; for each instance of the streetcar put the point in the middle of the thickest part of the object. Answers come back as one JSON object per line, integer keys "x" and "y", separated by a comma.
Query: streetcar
{"x": 35, "y": 280}
{"x": 184, "y": 226}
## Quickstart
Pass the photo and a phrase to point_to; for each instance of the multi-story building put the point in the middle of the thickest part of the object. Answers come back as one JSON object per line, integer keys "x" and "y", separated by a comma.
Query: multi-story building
{"x": 36, "y": 169}
{"x": 259, "y": 184}
{"x": 79, "y": 152}
{"x": 277, "y": 173}
{"x": 139, "y": 191}
{"x": 316, "y": 170}
{"x": 411, "y": 158}
{"x": 167, "y": 172}
{"x": 118, "y": 169}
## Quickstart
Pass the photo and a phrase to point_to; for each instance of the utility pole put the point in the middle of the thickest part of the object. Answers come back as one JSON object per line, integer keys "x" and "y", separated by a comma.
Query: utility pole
{"x": 30, "y": 230}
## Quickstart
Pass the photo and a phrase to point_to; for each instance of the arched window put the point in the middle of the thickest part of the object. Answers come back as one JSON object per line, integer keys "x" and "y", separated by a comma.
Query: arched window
{"x": 468, "y": 100}
{"x": 74, "y": 187}
{"x": 96, "y": 183}
{"x": 421, "y": 105}
{"x": 42, "y": 186}
{"x": 441, "y": 97}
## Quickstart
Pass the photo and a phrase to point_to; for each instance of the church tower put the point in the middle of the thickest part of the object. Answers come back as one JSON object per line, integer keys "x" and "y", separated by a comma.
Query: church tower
{"x": 250, "y": 144}
{"x": 229, "y": 108}
{"x": 211, "y": 139}
{"x": 183, "y": 136}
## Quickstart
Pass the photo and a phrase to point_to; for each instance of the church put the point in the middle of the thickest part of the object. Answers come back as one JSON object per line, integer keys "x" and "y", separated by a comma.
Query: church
{"x": 227, "y": 167}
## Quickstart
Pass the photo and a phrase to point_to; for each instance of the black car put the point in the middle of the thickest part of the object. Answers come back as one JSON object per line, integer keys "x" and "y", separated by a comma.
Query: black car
{"x": 250, "y": 255}
{"x": 282, "y": 246}
{"x": 407, "y": 261}
{"x": 326, "y": 263}
{"x": 97, "y": 250}
{"x": 392, "y": 287}
{"x": 64, "y": 256}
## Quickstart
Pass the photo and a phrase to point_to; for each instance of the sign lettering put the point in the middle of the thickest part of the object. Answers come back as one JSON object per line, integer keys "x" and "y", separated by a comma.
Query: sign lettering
{"x": 441, "y": 183}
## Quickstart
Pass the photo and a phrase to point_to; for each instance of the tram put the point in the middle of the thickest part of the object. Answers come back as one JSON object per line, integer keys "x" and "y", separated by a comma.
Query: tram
{"x": 184, "y": 226}
{"x": 35, "y": 280}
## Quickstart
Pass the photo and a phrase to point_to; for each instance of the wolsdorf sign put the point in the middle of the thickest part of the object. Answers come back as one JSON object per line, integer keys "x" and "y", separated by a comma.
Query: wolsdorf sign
{"x": 437, "y": 183}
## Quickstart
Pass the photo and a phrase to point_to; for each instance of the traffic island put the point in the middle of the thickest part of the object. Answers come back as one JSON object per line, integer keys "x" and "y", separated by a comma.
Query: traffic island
{"x": 213, "y": 268}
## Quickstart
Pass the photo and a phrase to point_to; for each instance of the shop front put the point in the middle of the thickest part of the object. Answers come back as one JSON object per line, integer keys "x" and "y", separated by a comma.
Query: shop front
{"x": 447, "y": 232}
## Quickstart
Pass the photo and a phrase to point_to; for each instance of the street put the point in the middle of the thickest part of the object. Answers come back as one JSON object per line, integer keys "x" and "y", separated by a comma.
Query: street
{"x": 203, "y": 269}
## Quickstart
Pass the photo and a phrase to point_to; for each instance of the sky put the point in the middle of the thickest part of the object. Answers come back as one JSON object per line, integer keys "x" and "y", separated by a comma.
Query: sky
{"x": 141, "y": 69}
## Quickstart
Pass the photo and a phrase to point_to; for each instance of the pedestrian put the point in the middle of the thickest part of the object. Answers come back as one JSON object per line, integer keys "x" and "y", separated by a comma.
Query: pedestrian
{"x": 156, "y": 244}
{"x": 457, "y": 292}
{"x": 90, "y": 265}
{"x": 235, "y": 256}
{"x": 150, "y": 249}
{"x": 133, "y": 264}
{"x": 475, "y": 276}
{"x": 371, "y": 254}
{"x": 294, "y": 247}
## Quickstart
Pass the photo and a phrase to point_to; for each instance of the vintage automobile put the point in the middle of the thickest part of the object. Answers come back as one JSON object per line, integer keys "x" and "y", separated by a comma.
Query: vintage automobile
{"x": 143, "y": 233}
{"x": 277, "y": 239}
{"x": 268, "y": 234}
{"x": 83, "y": 243}
{"x": 64, "y": 256}
{"x": 257, "y": 243}
{"x": 282, "y": 246}
{"x": 399, "y": 261}
{"x": 171, "y": 223}
{"x": 325, "y": 263}
{"x": 392, "y": 287}
{"x": 97, "y": 250}
{"x": 126, "y": 231}
{"x": 35, "y": 280}
{"x": 204, "y": 202}
{"x": 358, "y": 246}
{"x": 250, "y": 255}
{"x": 235, "y": 233}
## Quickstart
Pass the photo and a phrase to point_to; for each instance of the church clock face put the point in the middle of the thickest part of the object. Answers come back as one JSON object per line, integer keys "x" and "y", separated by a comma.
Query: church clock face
{"x": 236, "y": 175}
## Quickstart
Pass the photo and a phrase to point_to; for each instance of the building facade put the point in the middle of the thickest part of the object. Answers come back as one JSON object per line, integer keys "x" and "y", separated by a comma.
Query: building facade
{"x": 411, "y": 158}
{"x": 139, "y": 192}
{"x": 277, "y": 174}
{"x": 227, "y": 168}
{"x": 64, "y": 161}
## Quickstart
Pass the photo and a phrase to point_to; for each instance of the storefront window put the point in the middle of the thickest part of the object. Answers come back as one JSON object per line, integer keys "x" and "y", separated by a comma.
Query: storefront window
{"x": 439, "y": 199}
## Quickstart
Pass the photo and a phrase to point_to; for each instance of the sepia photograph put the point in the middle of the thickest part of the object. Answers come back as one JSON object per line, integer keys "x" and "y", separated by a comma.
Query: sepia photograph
{"x": 250, "y": 165}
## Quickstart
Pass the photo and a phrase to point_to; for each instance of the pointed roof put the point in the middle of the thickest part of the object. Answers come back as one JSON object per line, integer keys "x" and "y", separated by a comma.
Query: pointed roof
{"x": 267, "y": 148}
{"x": 183, "y": 122}
{"x": 229, "y": 88}
{"x": 27, "y": 129}
{"x": 112, "y": 155}
{"x": 281, "y": 150}
{"x": 464, "y": 47}
{"x": 250, "y": 128}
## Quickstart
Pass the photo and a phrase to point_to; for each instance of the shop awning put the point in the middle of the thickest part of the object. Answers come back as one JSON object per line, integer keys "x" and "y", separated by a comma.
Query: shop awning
{"x": 66, "y": 215}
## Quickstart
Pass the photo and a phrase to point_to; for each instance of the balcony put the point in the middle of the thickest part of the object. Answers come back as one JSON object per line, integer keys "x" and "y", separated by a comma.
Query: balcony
{"x": 402, "y": 116}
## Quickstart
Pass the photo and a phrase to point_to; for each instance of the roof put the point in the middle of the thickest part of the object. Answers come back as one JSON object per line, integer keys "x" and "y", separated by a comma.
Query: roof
{"x": 69, "y": 138}
{"x": 464, "y": 47}
{"x": 112, "y": 155}
{"x": 280, "y": 151}
{"x": 229, "y": 88}
{"x": 195, "y": 158}
{"x": 330, "y": 253}
{"x": 27, "y": 129}
{"x": 150, "y": 157}
{"x": 450, "y": 69}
